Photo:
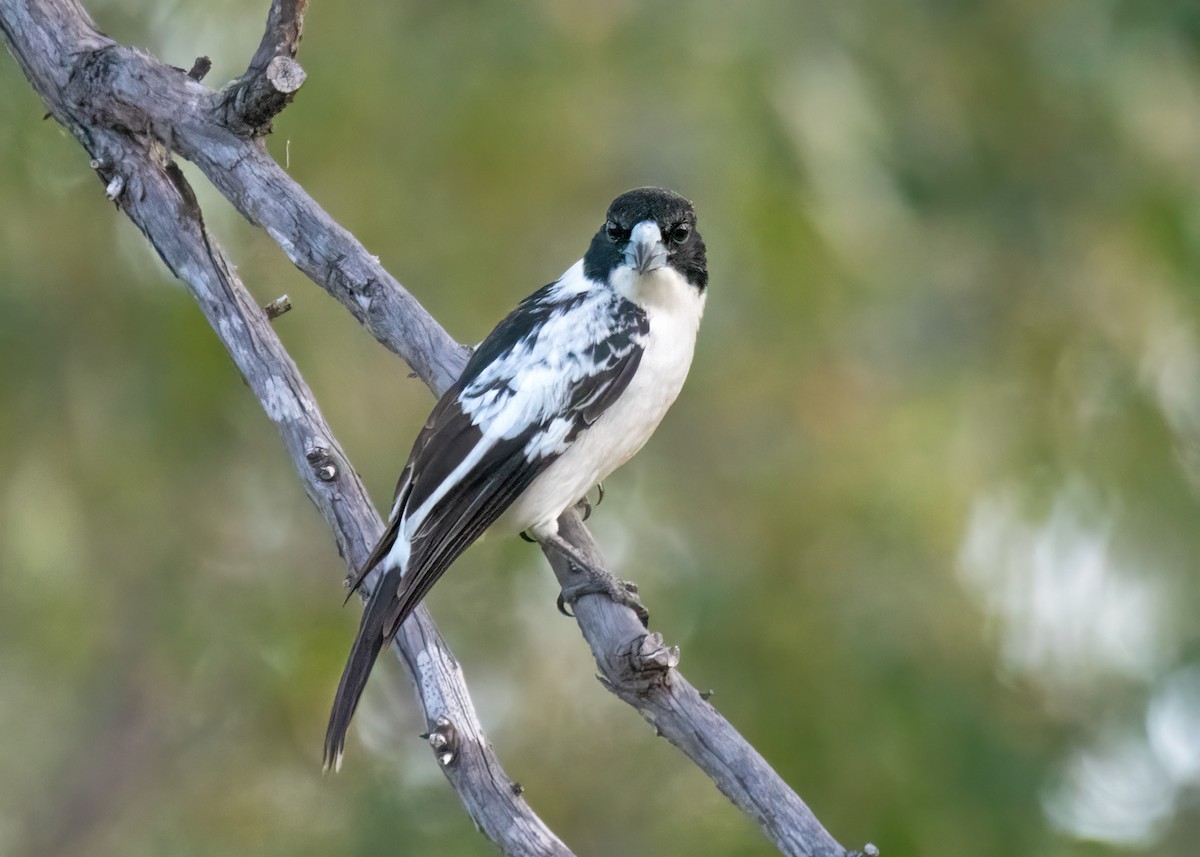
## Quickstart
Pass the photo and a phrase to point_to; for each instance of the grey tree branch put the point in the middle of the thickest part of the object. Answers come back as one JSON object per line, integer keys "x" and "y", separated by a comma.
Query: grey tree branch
{"x": 273, "y": 76}
{"x": 145, "y": 184}
{"x": 131, "y": 111}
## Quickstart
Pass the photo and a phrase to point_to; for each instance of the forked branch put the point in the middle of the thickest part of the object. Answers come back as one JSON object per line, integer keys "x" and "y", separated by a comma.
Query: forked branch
{"x": 131, "y": 113}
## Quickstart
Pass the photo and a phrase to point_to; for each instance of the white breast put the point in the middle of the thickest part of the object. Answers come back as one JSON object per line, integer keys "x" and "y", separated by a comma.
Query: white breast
{"x": 673, "y": 308}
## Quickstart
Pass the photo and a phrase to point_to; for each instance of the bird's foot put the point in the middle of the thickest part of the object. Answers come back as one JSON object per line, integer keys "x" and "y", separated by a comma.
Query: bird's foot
{"x": 623, "y": 592}
{"x": 590, "y": 579}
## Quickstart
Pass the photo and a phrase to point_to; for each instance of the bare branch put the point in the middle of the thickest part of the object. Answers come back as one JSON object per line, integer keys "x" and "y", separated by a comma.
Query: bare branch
{"x": 285, "y": 28}
{"x": 641, "y": 669}
{"x": 271, "y": 81}
{"x": 117, "y": 100}
{"x": 105, "y": 84}
{"x": 155, "y": 195}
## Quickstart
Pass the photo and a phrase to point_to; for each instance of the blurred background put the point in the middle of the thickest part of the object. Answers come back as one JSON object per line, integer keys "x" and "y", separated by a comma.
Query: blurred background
{"x": 925, "y": 517}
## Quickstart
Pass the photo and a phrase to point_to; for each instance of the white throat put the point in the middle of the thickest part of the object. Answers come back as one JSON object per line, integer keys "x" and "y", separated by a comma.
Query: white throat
{"x": 661, "y": 289}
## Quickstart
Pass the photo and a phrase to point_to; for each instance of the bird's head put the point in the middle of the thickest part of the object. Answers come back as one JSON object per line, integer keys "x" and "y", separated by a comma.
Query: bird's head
{"x": 646, "y": 229}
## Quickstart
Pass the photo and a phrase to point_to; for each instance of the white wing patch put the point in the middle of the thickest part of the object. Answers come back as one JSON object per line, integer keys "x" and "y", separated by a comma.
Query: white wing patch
{"x": 550, "y": 441}
{"x": 412, "y": 520}
{"x": 532, "y": 384}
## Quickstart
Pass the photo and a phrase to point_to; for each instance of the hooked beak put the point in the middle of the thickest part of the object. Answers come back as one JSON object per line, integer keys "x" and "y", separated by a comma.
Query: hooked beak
{"x": 645, "y": 251}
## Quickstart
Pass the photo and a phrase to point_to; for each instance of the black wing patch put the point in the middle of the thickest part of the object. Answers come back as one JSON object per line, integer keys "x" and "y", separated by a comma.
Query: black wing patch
{"x": 461, "y": 517}
{"x": 439, "y": 422}
{"x": 614, "y": 361}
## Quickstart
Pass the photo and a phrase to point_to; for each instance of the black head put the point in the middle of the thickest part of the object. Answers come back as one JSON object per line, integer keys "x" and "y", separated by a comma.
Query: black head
{"x": 681, "y": 246}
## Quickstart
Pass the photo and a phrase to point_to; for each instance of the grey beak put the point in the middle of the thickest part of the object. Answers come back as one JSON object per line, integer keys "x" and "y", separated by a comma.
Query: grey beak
{"x": 645, "y": 251}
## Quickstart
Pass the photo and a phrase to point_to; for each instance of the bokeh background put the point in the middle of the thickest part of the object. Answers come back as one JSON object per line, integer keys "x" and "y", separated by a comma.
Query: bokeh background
{"x": 925, "y": 516}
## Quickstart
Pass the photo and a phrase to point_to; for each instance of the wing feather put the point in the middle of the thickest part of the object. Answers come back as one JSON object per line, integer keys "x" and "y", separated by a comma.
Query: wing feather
{"x": 440, "y": 423}
{"x": 523, "y": 398}
{"x": 607, "y": 363}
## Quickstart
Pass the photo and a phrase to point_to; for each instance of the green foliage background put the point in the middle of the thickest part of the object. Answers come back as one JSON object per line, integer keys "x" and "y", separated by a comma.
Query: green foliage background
{"x": 925, "y": 517}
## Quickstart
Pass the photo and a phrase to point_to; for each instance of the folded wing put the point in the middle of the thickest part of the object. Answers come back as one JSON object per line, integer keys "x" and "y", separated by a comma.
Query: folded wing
{"x": 541, "y": 377}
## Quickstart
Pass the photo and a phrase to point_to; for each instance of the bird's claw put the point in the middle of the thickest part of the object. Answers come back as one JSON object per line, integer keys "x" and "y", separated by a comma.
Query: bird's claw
{"x": 525, "y": 537}
{"x": 622, "y": 592}
{"x": 585, "y": 506}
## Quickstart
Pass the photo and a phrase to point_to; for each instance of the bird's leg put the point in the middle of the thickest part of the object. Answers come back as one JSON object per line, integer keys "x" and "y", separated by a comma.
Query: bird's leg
{"x": 594, "y": 581}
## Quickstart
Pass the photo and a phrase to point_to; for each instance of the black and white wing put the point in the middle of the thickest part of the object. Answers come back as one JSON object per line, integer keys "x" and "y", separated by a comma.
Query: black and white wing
{"x": 547, "y": 371}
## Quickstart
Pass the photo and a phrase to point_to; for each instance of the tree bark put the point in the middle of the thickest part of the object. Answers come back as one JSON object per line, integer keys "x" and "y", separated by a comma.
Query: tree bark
{"x": 131, "y": 113}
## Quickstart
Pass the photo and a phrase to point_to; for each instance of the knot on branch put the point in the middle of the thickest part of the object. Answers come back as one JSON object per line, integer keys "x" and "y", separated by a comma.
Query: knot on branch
{"x": 443, "y": 740}
{"x": 115, "y": 188}
{"x": 114, "y": 182}
{"x": 320, "y": 459}
{"x": 116, "y": 72}
{"x": 644, "y": 665}
{"x": 201, "y": 67}
{"x": 273, "y": 77}
{"x": 278, "y": 307}
{"x": 257, "y": 98}
{"x": 651, "y": 655}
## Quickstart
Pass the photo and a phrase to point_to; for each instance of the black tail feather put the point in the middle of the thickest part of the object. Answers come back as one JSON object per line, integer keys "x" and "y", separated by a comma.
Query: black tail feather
{"x": 397, "y": 592}
{"x": 372, "y": 635}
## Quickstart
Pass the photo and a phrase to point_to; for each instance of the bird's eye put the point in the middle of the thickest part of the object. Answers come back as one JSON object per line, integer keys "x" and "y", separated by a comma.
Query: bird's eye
{"x": 615, "y": 233}
{"x": 681, "y": 233}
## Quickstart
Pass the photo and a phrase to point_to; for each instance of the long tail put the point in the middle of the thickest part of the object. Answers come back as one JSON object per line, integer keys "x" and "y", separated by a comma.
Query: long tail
{"x": 397, "y": 593}
{"x": 372, "y": 635}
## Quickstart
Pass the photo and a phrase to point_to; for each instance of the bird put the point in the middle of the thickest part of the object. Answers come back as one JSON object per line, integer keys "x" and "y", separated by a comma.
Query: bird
{"x": 565, "y": 389}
